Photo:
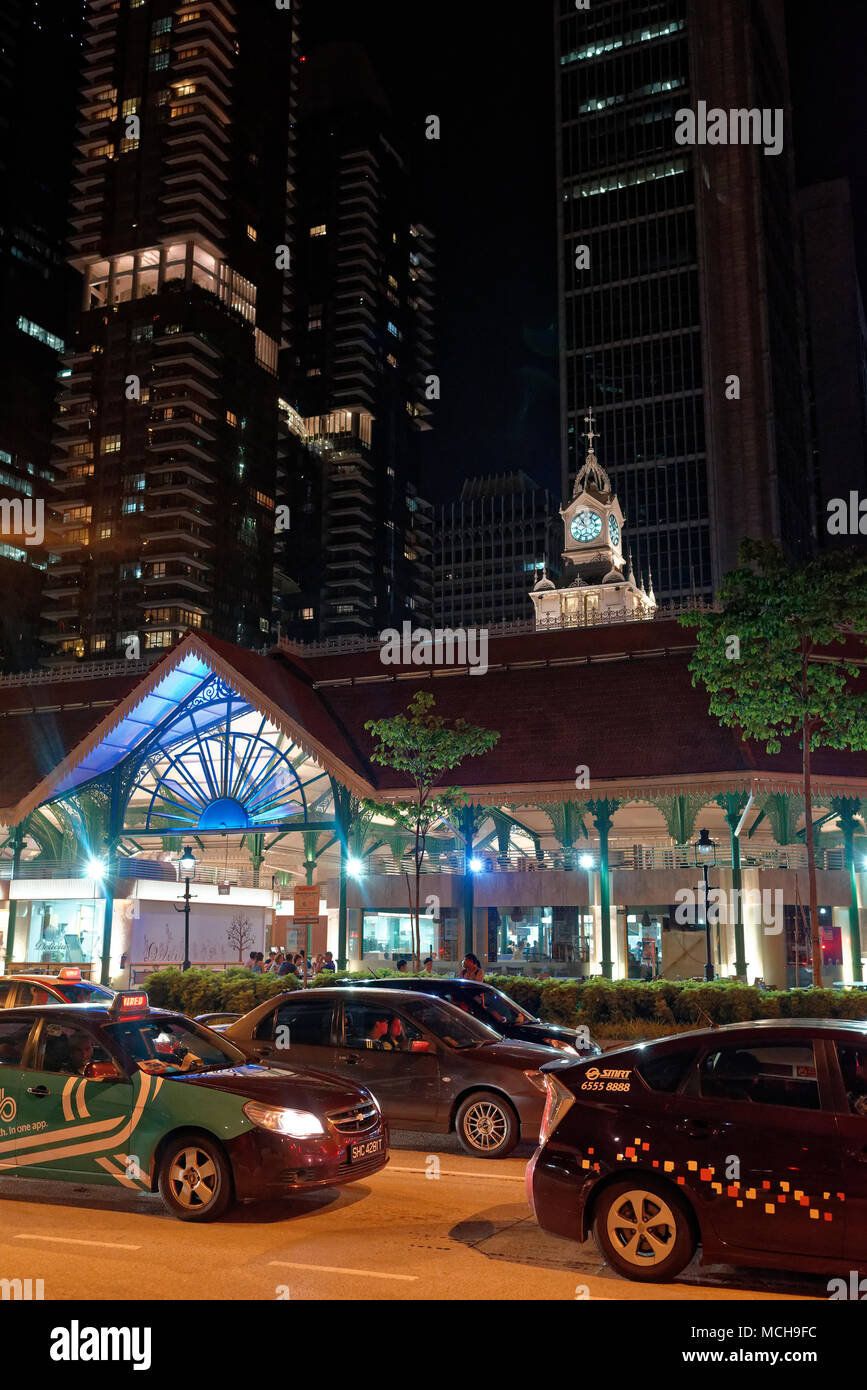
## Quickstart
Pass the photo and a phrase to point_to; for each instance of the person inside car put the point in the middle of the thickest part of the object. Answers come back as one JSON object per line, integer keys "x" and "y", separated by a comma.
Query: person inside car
{"x": 853, "y": 1064}
{"x": 377, "y": 1035}
{"x": 80, "y": 1055}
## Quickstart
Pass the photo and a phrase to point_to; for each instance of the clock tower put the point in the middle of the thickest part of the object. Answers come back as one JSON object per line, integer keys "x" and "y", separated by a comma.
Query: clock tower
{"x": 597, "y": 585}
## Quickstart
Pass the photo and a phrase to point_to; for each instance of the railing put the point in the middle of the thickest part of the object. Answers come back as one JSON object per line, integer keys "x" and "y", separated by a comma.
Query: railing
{"x": 77, "y": 670}
{"x": 139, "y": 970}
{"x": 48, "y": 967}
{"x": 632, "y": 858}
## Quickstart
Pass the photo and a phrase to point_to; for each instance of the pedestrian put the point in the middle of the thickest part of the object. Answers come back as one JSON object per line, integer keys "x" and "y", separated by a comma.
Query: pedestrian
{"x": 471, "y": 968}
{"x": 251, "y": 960}
{"x": 328, "y": 962}
{"x": 258, "y": 967}
{"x": 402, "y": 966}
{"x": 427, "y": 968}
{"x": 287, "y": 967}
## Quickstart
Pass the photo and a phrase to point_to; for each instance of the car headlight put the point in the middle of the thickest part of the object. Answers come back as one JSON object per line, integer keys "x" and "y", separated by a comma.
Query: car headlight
{"x": 536, "y": 1079}
{"x": 559, "y": 1101}
{"x": 300, "y": 1124}
{"x": 560, "y": 1045}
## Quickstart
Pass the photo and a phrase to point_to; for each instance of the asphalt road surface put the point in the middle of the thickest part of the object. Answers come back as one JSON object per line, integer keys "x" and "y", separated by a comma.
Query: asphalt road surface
{"x": 434, "y": 1224}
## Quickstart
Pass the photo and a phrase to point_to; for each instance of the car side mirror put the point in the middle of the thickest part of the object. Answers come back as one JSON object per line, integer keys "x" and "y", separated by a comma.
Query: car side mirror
{"x": 420, "y": 1045}
{"x": 102, "y": 1071}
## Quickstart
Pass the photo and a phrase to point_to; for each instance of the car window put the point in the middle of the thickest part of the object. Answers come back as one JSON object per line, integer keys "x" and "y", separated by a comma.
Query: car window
{"x": 378, "y": 1029}
{"x": 13, "y": 1040}
{"x": 67, "y": 1047}
{"x": 446, "y": 1024}
{"x": 853, "y": 1065}
{"x": 84, "y": 994}
{"x": 494, "y": 1008}
{"x": 5, "y": 993}
{"x": 666, "y": 1073}
{"x": 765, "y": 1074}
{"x": 33, "y": 994}
{"x": 307, "y": 1024}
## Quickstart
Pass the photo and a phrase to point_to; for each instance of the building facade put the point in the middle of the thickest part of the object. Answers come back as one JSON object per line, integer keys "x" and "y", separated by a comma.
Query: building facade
{"x": 490, "y": 545}
{"x": 680, "y": 308}
{"x": 357, "y": 550}
{"x": 168, "y": 421}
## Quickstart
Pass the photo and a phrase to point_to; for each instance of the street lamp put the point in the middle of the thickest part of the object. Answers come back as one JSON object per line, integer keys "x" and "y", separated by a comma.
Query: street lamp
{"x": 187, "y": 867}
{"x": 705, "y": 858}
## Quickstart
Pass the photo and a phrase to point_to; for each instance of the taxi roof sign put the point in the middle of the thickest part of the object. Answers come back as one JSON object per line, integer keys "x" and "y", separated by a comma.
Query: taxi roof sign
{"x": 70, "y": 972}
{"x": 129, "y": 1001}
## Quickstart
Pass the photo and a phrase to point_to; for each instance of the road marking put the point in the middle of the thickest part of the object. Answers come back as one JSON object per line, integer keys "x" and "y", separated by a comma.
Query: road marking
{"x": 337, "y": 1269}
{"x": 456, "y": 1173}
{"x": 69, "y": 1240}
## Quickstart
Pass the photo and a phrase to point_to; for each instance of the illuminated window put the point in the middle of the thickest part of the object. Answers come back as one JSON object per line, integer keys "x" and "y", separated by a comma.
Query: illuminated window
{"x": 110, "y": 444}
{"x": 232, "y": 419}
{"x": 391, "y": 360}
{"x": 162, "y": 26}
{"x": 185, "y": 53}
{"x": 313, "y": 324}
{"x": 159, "y": 62}
{"x": 41, "y": 335}
{"x": 177, "y": 112}
{"x": 132, "y": 504}
{"x": 130, "y": 106}
{"x": 394, "y": 330}
{"x": 81, "y": 451}
{"x": 251, "y": 232}
{"x": 393, "y": 282}
{"x": 264, "y": 500}
{"x": 314, "y": 371}
{"x": 158, "y": 639}
{"x": 98, "y": 644}
{"x": 137, "y": 481}
{"x": 105, "y": 533}
{"x": 306, "y": 614}
{"x": 188, "y": 18}
{"x": 185, "y": 89}
{"x": 321, "y": 230}
{"x": 131, "y": 570}
{"x": 99, "y": 151}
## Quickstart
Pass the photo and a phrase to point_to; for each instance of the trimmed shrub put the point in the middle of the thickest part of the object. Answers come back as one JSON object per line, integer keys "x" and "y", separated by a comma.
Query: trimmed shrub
{"x": 201, "y": 991}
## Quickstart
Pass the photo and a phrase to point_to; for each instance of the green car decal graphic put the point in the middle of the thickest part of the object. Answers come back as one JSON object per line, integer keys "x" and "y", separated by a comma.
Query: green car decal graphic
{"x": 108, "y": 1141}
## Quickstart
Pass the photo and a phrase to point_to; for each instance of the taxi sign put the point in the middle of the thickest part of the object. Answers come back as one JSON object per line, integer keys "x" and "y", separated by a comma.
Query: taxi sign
{"x": 70, "y": 972}
{"x": 128, "y": 1001}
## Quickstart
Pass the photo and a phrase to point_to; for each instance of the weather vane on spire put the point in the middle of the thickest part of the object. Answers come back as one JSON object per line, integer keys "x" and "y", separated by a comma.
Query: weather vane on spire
{"x": 590, "y": 434}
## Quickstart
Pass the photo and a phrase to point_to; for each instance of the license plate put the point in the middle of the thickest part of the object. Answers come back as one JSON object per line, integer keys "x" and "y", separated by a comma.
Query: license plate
{"x": 365, "y": 1148}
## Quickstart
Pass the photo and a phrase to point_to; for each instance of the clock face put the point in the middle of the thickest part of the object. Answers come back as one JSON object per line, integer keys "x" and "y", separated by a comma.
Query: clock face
{"x": 586, "y": 525}
{"x": 613, "y": 531}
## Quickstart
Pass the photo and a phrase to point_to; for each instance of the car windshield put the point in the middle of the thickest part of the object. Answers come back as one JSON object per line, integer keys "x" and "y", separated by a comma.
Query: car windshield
{"x": 495, "y": 1008}
{"x": 164, "y": 1045}
{"x": 83, "y": 994}
{"x": 448, "y": 1025}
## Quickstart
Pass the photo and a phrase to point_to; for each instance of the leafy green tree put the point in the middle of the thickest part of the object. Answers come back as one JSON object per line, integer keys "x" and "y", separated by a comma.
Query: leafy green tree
{"x": 423, "y": 745}
{"x": 767, "y": 655}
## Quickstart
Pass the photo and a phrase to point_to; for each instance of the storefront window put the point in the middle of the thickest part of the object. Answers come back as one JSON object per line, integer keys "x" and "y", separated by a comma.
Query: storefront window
{"x": 387, "y": 935}
{"x": 67, "y": 931}
{"x": 535, "y": 934}
{"x": 644, "y": 943}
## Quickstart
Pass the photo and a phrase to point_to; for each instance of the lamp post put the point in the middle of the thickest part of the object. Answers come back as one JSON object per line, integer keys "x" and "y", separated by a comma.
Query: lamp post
{"x": 705, "y": 858}
{"x": 187, "y": 869}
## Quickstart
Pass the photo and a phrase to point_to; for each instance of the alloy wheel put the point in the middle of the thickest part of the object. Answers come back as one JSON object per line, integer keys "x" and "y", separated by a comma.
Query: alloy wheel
{"x": 641, "y": 1227}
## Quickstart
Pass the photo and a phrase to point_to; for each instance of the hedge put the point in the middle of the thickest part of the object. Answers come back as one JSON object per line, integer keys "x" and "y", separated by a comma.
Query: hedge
{"x": 236, "y": 990}
{"x": 673, "y": 1003}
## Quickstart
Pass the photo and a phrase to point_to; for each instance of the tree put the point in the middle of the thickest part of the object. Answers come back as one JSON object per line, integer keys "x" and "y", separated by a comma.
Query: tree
{"x": 766, "y": 655}
{"x": 239, "y": 935}
{"x": 423, "y": 745}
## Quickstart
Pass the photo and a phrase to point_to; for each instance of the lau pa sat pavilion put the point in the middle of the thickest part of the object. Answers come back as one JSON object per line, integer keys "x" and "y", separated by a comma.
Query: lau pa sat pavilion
{"x": 570, "y": 856}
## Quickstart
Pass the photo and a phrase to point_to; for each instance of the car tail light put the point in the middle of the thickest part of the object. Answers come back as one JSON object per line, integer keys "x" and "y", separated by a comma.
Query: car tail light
{"x": 558, "y": 1101}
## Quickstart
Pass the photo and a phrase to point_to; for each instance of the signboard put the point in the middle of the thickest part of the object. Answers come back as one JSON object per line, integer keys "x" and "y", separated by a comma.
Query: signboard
{"x": 306, "y": 909}
{"x": 223, "y": 889}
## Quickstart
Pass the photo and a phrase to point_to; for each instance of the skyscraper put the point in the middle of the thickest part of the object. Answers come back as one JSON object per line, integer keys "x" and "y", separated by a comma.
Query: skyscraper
{"x": 182, "y": 229}
{"x": 681, "y": 319}
{"x": 357, "y": 553}
{"x": 490, "y": 548}
{"x": 37, "y": 292}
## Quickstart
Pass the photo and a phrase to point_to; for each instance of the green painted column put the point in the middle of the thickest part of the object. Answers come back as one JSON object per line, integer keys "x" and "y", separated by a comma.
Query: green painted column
{"x": 342, "y": 914}
{"x": 733, "y": 804}
{"x": 467, "y": 824}
{"x": 17, "y": 845}
{"x": 847, "y": 808}
{"x": 602, "y": 810}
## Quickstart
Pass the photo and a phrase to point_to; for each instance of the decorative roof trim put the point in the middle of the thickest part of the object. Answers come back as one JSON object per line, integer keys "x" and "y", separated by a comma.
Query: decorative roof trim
{"x": 188, "y": 646}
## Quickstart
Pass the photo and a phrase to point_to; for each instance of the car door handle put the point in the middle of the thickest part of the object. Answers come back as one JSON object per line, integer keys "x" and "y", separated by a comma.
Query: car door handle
{"x": 349, "y": 1057}
{"x": 38, "y": 1091}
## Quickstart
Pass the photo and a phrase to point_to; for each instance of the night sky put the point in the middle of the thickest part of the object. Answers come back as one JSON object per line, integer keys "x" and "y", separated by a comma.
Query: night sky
{"x": 488, "y": 192}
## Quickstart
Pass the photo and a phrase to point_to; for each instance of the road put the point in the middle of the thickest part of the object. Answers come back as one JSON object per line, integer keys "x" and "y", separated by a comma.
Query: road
{"x": 464, "y": 1234}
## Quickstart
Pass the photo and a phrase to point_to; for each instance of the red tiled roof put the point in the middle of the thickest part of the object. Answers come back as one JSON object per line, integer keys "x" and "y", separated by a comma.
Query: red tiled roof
{"x": 618, "y": 700}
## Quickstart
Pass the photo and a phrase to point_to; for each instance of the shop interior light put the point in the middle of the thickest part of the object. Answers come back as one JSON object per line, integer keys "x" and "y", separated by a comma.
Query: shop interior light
{"x": 476, "y": 865}
{"x": 586, "y": 861}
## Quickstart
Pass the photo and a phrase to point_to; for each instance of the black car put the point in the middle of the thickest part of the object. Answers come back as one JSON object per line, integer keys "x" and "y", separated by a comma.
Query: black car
{"x": 749, "y": 1140}
{"x": 431, "y": 1066}
{"x": 501, "y": 1013}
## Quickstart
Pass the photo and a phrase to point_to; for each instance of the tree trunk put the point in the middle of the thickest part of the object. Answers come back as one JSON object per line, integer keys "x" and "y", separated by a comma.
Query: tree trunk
{"x": 809, "y": 840}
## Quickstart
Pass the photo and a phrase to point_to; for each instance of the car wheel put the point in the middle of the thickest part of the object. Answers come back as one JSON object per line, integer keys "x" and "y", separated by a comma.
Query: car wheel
{"x": 195, "y": 1180}
{"x": 487, "y": 1126}
{"x": 643, "y": 1229}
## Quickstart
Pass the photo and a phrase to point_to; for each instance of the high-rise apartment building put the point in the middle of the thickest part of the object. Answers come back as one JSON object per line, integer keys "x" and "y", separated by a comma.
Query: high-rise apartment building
{"x": 357, "y": 554}
{"x": 490, "y": 548}
{"x": 40, "y": 51}
{"x": 168, "y": 418}
{"x": 681, "y": 319}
